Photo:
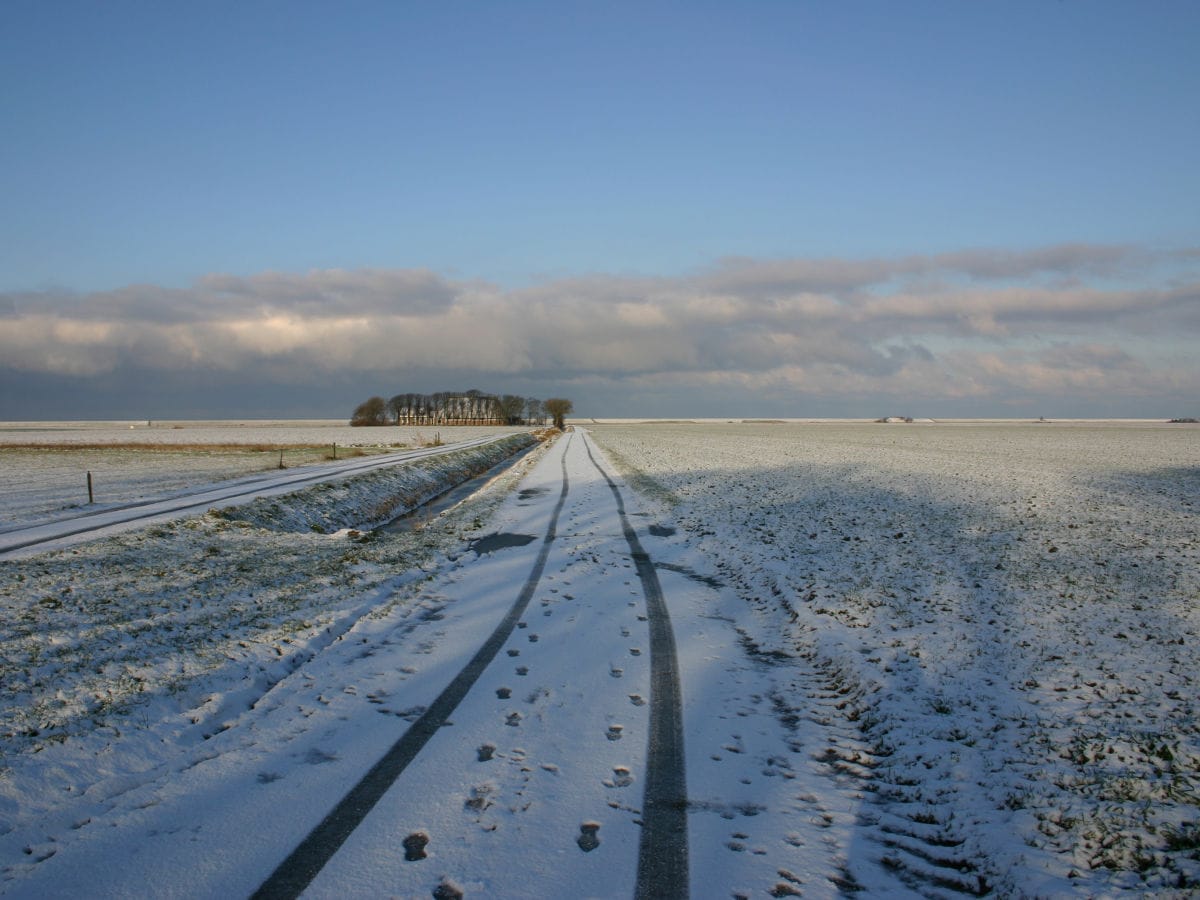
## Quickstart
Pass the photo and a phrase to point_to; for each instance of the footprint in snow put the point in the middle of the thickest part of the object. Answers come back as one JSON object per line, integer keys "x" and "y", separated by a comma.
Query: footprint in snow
{"x": 637, "y": 699}
{"x": 622, "y": 777}
{"x": 503, "y": 693}
{"x": 414, "y": 846}
{"x": 587, "y": 840}
{"x": 480, "y": 798}
{"x": 514, "y": 652}
{"x": 614, "y": 732}
{"x": 522, "y": 670}
{"x": 615, "y": 672}
{"x": 40, "y": 856}
{"x": 486, "y": 752}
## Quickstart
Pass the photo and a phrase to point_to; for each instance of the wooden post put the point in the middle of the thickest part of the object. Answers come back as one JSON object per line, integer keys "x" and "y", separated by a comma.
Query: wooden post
{"x": 281, "y": 459}
{"x": 335, "y": 451}
{"x": 91, "y": 496}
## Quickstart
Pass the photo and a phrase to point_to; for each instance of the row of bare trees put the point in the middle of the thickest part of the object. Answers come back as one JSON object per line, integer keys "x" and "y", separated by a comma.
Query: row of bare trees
{"x": 460, "y": 408}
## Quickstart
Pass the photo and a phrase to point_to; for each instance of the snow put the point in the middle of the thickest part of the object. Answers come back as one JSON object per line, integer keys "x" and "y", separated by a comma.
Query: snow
{"x": 998, "y": 626}
{"x": 44, "y": 465}
{"x": 923, "y": 660}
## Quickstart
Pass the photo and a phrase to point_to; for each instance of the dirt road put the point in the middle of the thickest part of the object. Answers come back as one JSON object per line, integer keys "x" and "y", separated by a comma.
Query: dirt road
{"x": 569, "y": 707}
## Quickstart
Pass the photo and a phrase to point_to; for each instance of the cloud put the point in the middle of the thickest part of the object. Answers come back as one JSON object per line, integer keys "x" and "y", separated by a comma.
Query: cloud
{"x": 1088, "y": 370}
{"x": 331, "y": 293}
{"x": 1062, "y": 259}
{"x": 977, "y": 323}
{"x": 845, "y": 278}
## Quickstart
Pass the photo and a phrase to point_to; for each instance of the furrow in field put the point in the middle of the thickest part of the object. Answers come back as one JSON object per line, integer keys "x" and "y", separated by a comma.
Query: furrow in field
{"x": 1001, "y": 618}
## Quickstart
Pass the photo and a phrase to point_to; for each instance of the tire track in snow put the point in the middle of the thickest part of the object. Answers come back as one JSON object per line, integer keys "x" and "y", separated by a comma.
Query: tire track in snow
{"x": 663, "y": 848}
{"x": 295, "y": 873}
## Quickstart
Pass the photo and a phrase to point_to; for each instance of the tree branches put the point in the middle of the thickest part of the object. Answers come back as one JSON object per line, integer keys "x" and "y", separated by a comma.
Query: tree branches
{"x": 471, "y": 407}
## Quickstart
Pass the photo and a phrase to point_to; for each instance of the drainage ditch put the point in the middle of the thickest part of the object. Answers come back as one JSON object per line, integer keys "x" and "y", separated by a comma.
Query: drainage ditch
{"x": 416, "y": 518}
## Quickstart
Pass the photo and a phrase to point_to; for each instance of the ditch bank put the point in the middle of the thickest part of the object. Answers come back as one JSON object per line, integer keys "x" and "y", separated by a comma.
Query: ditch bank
{"x": 367, "y": 501}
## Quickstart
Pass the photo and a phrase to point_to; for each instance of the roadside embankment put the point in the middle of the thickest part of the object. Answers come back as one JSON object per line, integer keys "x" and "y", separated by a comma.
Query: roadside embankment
{"x": 368, "y": 500}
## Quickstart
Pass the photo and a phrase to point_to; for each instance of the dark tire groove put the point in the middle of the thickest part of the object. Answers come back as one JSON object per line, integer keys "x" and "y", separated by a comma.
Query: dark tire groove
{"x": 663, "y": 847}
{"x": 296, "y": 872}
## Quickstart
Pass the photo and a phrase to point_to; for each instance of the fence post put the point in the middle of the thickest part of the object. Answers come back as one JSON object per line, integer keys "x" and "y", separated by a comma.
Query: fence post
{"x": 335, "y": 450}
{"x": 91, "y": 496}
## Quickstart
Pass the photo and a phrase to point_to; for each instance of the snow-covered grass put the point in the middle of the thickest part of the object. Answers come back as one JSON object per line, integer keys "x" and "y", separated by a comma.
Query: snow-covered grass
{"x": 1007, "y": 615}
{"x": 277, "y": 432}
{"x": 44, "y": 466}
{"x": 189, "y": 617}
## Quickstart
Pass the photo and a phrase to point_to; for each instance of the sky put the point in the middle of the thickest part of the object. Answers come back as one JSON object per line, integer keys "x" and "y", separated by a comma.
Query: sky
{"x": 707, "y": 209}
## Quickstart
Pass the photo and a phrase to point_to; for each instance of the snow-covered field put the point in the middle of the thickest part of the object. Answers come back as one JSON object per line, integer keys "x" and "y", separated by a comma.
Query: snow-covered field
{"x": 1007, "y": 615}
{"x": 118, "y": 653}
{"x": 935, "y": 659}
{"x": 44, "y": 465}
{"x": 229, "y": 431}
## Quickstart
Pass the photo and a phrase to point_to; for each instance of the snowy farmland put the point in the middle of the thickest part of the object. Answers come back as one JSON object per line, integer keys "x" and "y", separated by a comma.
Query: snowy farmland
{"x": 961, "y": 659}
{"x": 44, "y": 465}
{"x": 1009, "y": 613}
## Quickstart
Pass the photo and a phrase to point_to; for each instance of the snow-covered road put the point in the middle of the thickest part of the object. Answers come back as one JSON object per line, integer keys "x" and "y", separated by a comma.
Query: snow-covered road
{"x": 869, "y": 679}
{"x": 517, "y": 731}
{"x": 85, "y": 524}
{"x": 532, "y": 784}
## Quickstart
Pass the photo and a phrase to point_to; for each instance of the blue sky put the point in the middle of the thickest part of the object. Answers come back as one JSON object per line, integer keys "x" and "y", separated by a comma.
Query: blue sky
{"x": 514, "y": 149}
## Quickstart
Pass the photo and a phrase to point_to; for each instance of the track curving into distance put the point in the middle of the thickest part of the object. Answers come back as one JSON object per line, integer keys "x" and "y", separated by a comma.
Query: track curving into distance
{"x": 296, "y": 872}
{"x": 663, "y": 849}
{"x": 662, "y": 870}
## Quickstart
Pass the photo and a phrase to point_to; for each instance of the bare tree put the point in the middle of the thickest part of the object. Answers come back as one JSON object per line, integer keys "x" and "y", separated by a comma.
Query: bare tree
{"x": 511, "y": 407}
{"x": 397, "y": 407}
{"x": 559, "y": 408}
{"x": 472, "y": 407}
{"x": 370, "y": 412}
{"x": 476, "y": 405}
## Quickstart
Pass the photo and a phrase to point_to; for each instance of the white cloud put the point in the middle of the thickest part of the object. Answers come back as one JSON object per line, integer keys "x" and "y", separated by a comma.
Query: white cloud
{"x": 809, "y": 327}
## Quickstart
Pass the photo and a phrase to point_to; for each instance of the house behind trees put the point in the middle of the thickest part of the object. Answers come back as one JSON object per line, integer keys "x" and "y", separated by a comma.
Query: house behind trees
{"x": 472, "y": 407}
